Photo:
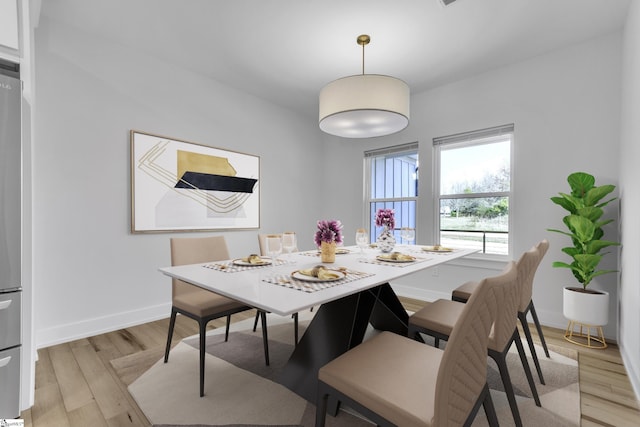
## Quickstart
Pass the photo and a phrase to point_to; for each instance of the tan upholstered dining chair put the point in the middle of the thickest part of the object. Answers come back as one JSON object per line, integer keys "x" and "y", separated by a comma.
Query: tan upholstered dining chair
{"x": 463, "y": 292}
{"x": 200, "y": 304}
{"x": 396, "y": 381}
{"x": 439, "y": 318}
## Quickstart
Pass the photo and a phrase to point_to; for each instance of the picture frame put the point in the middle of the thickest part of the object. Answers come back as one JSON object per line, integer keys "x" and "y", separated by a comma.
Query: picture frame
{"x": 178, "y": 185}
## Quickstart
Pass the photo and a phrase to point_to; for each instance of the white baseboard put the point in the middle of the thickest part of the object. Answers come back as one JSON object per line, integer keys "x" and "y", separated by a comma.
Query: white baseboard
{"x": 634, "y": 376}
{"x": 100, "y": 325}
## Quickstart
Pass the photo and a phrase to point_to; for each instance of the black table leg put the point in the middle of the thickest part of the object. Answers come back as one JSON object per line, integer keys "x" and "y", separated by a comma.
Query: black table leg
{"x": 388, "y": 313}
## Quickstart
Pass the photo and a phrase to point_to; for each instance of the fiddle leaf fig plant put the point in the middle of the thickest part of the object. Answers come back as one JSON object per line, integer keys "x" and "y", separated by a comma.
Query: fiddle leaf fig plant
{"x": 584, "y": 226}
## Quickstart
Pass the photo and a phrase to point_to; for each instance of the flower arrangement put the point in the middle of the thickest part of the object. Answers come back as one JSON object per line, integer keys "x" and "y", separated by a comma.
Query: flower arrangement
{"x": 328, "y": 232}
{"x": 385, "y": 218}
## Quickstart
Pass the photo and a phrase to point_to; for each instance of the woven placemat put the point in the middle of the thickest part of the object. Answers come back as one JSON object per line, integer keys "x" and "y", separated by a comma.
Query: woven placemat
{"x": 230, "y": 267}
{"x": 308, "y": 286}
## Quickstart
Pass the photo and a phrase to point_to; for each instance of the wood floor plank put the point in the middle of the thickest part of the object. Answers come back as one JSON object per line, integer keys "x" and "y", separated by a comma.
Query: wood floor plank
{"x": 124, "y": 341}
{"x": 613, "y": 382}
{"x": 26, "y": 416}
{"x": 607, "y": 412}
{"x": 604, "y": 365}
{"x": 45, "y": 374}
{"x": 106, "y": 392}
{"x": 129, "y": 368}
{"x": 146, "y": 336}
{"x": 48, "y": 409}
{"x": 73, "y": 386}
{"x": 103, "y": 346}
{"x": 599, "y": 376}
{"x": 160, "y": 332}
{"x": 88, "y": 415}
{"x": 127, "y": 419}
{"x": 589, "y": 423}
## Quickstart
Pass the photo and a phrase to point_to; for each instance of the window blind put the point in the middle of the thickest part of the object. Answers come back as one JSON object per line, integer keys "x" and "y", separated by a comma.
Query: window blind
{"x": 412, "y": 146}
{"x": 473, "y": 135}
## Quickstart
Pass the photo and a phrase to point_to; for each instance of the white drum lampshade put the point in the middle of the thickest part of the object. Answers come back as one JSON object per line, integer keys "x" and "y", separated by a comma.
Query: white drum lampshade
{"x": 364, "y": 106}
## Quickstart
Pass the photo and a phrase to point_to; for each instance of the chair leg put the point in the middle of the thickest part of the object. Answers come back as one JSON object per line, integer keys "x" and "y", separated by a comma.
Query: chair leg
{"x": 226, "y": 331}
{"x": 489, "y": 409}
{"x": 534, "y": 355}
{"x": 321, "y": 408}
{"x": 263, "y": 314}
{"x": 539, "y": 328}
{"x": 501, "y": 361}
{"x": 413, "y": 334}
{"x": 484, "y": 399}
{"x": 203, "y": 345}
{"x": 295, "y": 329}
{"x": 255, "y": 321}
{"x": 525, "y": 365}
{"x": 172, "y": 323}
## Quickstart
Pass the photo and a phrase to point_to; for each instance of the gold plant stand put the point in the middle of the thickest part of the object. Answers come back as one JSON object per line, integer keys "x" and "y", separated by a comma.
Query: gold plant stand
{"x": 583, "y": 339}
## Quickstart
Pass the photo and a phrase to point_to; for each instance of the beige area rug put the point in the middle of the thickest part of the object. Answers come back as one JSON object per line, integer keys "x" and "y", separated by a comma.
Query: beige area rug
{"x": 241, "y": 391}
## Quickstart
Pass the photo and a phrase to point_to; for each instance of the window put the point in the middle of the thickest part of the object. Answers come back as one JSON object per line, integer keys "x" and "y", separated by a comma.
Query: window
{"x": 473, "y": 189}
{"x": 392, "y": 183}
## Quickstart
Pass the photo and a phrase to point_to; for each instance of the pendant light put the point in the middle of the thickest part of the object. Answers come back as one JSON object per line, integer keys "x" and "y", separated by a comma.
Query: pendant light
{"x": 364, "y": 106}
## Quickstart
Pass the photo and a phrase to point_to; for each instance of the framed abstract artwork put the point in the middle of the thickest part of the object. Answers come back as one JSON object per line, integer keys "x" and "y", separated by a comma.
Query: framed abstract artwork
{"x": 182, "y": 186}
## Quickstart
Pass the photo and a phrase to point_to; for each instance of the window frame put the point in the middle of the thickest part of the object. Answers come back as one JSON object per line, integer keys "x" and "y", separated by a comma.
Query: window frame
{"x": 397, "y": 150}
{"x": 470, "y": 139}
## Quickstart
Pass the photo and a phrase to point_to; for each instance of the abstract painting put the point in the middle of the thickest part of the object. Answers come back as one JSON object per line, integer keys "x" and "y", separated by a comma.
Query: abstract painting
{"x": 183, "y": 186}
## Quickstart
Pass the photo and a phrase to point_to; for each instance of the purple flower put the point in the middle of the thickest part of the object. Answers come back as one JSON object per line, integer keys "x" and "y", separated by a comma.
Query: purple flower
{"x": 385, "y": 217}
{"x": 328, "y": 232}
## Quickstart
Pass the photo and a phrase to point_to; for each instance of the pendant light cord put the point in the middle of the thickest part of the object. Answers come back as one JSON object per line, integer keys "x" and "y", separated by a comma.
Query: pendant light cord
{"x": 363, "y": 40}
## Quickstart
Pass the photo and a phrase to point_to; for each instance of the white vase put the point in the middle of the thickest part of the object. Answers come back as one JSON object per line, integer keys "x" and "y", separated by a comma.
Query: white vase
{"x": 385, "y": 241}
{"x": 589, "y": 308}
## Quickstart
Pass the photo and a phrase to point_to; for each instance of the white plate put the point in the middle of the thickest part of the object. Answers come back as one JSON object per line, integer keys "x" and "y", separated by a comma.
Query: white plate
{"x": 240, "y": 261}
{"x": 299, "y": 276}
{"x": 382, "y": 258}
{"x": 340, "y": 251}
{"x": 434, "y": 249}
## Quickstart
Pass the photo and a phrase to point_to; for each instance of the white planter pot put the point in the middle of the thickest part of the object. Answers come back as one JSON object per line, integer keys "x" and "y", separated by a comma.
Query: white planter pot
{"x": 586, "y": 308}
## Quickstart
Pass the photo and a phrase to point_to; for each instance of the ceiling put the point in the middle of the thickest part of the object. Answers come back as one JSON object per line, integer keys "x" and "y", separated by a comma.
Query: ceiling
{"x": 286, "y": 50}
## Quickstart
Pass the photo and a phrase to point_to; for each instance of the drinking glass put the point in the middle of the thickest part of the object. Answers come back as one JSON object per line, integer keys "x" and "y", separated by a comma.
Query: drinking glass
{"x": 408, "y": 234}
{"x": 289, "y": 242}
{"x": 362, "y": 239}
{"x": 274, "y": 247}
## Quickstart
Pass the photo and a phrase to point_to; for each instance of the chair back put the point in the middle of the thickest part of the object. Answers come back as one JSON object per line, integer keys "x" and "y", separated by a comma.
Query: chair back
{"x": 507, "y": 315}
{"x": 194, "y": 250}
{"x": 526, "y": 289}
{"x": 463, "y": 371}
{"x": 262, "y": 241}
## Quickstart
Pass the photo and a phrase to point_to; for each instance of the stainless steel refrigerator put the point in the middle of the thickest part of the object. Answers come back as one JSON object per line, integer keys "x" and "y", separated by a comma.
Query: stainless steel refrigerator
{"x": 10, "y": 240}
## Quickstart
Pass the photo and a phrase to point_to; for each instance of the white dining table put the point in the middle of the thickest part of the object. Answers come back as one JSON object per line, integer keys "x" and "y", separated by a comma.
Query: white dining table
{"x": 346, "y": 307}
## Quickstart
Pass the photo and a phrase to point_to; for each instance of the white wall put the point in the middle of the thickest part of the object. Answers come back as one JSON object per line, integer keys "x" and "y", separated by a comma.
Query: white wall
{"x": 566, "y": 109}
{"x": 90, "y": 273}
{"x": 9, "y": 25}
{"x": 629, "y": 177}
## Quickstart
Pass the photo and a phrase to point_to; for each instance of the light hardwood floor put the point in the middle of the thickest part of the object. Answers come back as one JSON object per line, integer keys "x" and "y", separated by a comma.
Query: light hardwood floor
{"x": 77, "y": 385}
